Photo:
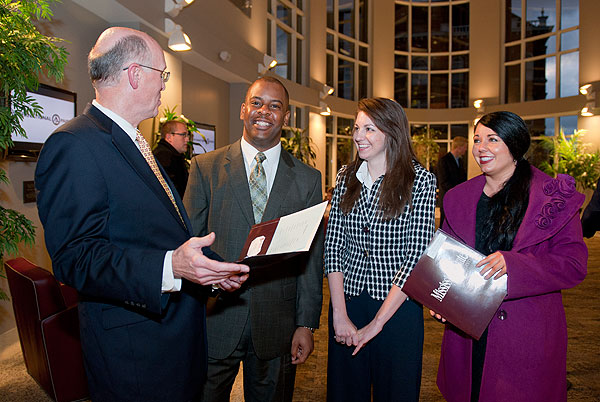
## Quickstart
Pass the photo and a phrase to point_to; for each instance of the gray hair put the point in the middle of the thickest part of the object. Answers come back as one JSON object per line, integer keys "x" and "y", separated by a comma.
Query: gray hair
{"x": 104, "y": 68}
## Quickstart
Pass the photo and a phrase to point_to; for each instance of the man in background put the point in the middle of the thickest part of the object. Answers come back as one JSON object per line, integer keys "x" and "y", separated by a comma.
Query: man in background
{"x": 169, "y": 152}
{"x": 118, "y": 233}
{"x": 451, "y": 170}
{"x": 268, "y": 323}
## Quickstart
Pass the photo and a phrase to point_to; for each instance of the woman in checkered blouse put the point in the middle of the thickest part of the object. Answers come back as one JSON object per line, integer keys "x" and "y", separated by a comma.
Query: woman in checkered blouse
{"x": 381, "y": 220}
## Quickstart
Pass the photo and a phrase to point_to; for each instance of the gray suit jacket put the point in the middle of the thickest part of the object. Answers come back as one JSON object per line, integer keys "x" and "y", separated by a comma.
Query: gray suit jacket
{"x": 278, "y": 299}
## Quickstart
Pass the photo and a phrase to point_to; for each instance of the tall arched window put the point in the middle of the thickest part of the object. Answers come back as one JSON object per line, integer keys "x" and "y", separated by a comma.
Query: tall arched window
{"x": 286, "y": 38}
{"x": 541, "y": 49}
{"x": 431, "y": 68}
{"x": 348, "y": 48}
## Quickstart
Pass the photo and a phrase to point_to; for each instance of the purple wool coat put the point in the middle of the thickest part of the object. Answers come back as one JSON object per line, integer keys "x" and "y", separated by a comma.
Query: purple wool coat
{"x": 527, "y": 338}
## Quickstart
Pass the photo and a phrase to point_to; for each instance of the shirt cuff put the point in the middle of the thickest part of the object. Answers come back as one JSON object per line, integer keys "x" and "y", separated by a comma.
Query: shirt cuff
{"x": 169, "y": 282}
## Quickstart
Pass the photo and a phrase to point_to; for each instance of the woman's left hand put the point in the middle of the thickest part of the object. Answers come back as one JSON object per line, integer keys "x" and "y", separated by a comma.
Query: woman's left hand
{"x": 365, "y": 334}
{"x": 494, "y": 264}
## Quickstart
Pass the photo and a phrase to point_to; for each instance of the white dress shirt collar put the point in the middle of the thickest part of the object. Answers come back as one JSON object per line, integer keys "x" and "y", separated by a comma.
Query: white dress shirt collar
{"x": 270, "y": 164}
{"x": 121, "y": 122}
{"x": 363, "y": 176}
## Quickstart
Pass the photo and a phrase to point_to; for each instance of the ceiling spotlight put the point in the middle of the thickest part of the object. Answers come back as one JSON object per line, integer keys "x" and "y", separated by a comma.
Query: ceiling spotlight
{"x": 173, "y": 7}
{"x": 178, "y": 40}
{"x": 592, "y": 105}
{"x": 584, "y": 89}
{"x": 225, "y": 56}
{"x": 326, "y": 91}
{"x": 324, "y": 109}
{"x": 586, "y": 111}
{"x": 267, "y": 64}
{"x": 478, "y": 103}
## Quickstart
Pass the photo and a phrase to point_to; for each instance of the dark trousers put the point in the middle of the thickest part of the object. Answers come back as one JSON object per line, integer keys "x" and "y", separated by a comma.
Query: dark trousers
{"x": 390, "y": 363}
{"x": 264, "y": 380}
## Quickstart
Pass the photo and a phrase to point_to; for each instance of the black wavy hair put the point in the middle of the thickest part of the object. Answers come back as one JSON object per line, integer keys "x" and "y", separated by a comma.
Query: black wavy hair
{"x": 507, "y": 207}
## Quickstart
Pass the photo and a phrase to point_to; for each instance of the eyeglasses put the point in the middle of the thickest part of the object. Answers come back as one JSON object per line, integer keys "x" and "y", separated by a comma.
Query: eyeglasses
{"x": 182, "y": 134}
{"x": 164, "y": 75}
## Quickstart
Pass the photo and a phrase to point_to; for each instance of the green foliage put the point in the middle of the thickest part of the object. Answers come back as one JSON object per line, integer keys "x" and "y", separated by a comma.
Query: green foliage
{"x": 299, "y": 145}
{"x": 14, "y": 229}
{"x": 569, "y": 155}
{"x": 24, "y": 54}
{"x": 170, "y": 115}
{"x": 427, "y": 150}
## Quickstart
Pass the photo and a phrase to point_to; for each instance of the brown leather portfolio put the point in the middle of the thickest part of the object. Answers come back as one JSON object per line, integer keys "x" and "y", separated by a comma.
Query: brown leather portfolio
{"x": 447, "y": 281}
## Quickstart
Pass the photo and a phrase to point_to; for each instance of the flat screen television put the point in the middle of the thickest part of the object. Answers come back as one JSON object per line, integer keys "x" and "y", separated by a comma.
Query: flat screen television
{"x": 59, "y": 106}
{"x": 209, "y": 131}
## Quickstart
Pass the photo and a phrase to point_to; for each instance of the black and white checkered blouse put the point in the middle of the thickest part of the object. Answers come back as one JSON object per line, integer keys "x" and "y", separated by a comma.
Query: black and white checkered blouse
{"x": 372, "y": 252}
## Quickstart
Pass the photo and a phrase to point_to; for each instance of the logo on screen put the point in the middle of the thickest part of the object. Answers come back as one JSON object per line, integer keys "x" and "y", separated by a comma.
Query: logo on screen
{"x": 55, "y": 119}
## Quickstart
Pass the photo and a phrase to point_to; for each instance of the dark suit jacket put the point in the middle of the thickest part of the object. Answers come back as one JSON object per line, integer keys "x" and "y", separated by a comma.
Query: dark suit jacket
{"x": 108, "y": 223}
{"x": 590, "y": 220}
{"x": 174, "y": 164}
{"x": 280, "y": 298}
{"x": 449, "y": 174}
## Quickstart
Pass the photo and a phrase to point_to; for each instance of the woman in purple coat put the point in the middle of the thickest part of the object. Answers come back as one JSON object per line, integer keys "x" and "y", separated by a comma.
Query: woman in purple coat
{"x": 527, "y": 224}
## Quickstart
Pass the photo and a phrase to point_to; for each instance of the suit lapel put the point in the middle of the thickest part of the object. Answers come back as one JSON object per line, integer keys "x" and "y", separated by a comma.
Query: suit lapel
{"x": 237, "y": 179}
{"x": 283, "y": 178}
{"x": 133, "y": 156}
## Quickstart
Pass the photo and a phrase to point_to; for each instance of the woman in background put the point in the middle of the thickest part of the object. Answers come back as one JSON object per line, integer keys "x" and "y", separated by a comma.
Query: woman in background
{"x": 381, "y": 220}
{"x": 527, "y": 224}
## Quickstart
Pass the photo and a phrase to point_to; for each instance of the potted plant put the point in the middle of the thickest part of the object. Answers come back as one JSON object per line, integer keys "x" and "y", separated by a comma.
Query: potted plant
{"x": 24, "y": 54}
{"x": 568, "y": 154}
{"x": 427, "y": 150}
{"x": 297, "y": 143}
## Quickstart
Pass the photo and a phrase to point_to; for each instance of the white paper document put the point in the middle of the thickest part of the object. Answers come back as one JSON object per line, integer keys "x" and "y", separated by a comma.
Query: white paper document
{"x": 295, "y": 232}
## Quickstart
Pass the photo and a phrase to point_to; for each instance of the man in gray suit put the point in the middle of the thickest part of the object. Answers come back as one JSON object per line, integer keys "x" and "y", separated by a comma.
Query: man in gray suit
{"x": 268, "y": 323}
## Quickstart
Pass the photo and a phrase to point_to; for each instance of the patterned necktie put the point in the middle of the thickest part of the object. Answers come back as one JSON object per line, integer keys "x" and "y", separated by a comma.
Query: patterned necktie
{"x": 147, "y": 154}
{"x": 258, "y": 187}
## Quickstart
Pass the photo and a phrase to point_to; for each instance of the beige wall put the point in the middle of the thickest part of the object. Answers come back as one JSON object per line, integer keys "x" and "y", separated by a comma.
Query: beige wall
{"x": 382, "y": 49}
{"x": 206, "y": 100}
{"x": 589, "y": 63}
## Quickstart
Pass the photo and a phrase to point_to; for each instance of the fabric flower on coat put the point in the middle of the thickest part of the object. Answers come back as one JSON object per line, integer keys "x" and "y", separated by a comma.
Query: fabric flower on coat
{"x": 566, "y": 185}
{"x": 559, "y": 203}
{"x": 549, "y": 210}
{"x": 550, "y": 186}
{"x": 542, "y": 221}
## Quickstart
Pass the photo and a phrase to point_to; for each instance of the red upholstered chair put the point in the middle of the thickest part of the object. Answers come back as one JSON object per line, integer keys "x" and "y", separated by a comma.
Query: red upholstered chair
{"x": 48, "y": 325}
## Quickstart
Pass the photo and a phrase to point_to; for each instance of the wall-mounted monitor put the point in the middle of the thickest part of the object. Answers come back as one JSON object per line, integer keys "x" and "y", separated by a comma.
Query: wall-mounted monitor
{"x": 201, "y": 146}
{"x": 59, "y": 106}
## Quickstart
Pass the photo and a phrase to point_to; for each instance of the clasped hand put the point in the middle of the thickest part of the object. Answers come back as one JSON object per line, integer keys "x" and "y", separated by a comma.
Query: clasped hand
{"x": 347, "y": 334}
{"x": 189, "y": 262}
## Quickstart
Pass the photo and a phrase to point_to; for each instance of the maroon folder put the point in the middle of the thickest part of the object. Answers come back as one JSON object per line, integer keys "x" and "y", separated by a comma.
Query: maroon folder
{"x": 277, "y": 240}
{"x": 446, "y": 280}
{"x": 260, "y": 258}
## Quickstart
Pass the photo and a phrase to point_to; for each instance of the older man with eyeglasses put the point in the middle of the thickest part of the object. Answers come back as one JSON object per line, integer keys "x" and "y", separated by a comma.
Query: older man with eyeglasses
{"x": 118, "y": 233}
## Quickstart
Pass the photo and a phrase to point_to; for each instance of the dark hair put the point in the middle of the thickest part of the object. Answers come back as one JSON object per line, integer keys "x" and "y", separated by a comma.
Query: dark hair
{"x": 272, "y": 80}
{"x": 105, "y": 67}
{"x": 396, "y": 188}
{"x": 507, "y": 207}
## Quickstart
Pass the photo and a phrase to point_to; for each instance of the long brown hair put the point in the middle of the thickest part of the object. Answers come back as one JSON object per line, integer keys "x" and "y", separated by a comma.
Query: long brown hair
{"x": 396, "y": 189}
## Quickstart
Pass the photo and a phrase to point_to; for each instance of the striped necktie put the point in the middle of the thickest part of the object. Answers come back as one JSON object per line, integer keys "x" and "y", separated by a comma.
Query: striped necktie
{"x": 258, "y": 187}
{"x": 147, "y": 154}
